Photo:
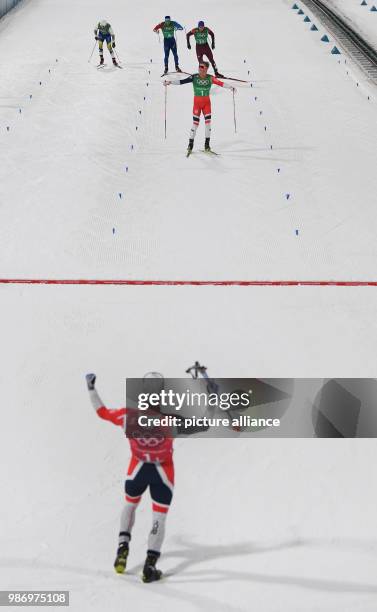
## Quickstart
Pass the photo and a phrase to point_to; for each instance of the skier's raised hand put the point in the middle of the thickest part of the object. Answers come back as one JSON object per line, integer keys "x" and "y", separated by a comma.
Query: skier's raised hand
{"x": 90, "y": 381}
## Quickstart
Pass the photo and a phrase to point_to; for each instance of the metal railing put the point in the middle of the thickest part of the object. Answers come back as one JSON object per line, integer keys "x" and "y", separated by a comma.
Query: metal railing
{"x": 361, "y": 51}
{"x": 7, "y": 5}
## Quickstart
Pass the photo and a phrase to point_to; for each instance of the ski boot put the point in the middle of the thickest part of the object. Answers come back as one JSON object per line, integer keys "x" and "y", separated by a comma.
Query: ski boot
{"x": 207, "y": 148}
{"x": 166, "y": 70}
{"x": 190, "y": 147}
{"x": 115, "y": 62}
{"x": 121, "y": 558}
{"x": 150, "y": 572}
{"x": 101, "y": 61}
{"x": 177, "y": 69}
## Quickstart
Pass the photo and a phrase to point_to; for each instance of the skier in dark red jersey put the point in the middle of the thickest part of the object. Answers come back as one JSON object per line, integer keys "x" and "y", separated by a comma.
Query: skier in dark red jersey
{"x": 201, "y": 34}
{"x": 202, "y": 83}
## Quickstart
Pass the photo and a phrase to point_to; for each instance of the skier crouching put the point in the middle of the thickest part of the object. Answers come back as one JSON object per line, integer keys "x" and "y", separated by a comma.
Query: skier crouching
{"x": 202, "y": 83}
{"x": 104, "y": 32}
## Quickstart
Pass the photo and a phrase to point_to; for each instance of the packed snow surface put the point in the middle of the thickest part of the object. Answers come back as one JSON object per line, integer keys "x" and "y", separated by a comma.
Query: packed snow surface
{"x": 268, "y": 525}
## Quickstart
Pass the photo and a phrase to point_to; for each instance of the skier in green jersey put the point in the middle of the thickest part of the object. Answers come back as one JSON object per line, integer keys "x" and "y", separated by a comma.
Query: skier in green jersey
{"x": 201, "y": 34}
{"x": 202, "y": 83}
{"x": 168, "y": 28}
{"x": 104, "y": 32}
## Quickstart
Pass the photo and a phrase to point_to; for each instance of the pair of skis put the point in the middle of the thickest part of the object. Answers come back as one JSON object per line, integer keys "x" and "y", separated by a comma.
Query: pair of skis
{"x": 208, "y": 152}
{"x": 176, "y": 72}
{"x": 105, "y": 66}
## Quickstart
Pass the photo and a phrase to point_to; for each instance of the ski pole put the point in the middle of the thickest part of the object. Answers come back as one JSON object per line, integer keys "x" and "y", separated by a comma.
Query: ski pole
{"x": 234, "y": 112}
{"x": 91, "y": 55}
{"x": 117, "y": 57}
{"x": 166, "y": 103}
{"x": 197, "y": 369}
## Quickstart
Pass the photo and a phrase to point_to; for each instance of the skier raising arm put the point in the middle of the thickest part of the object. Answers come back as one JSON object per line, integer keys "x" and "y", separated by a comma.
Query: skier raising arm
{"x": 201, "y": 34}
{"x": 202, "y": 83}
{"x": 168, "y": 28}
{"x": 104, "y": 32}
{"x": 151, "y": 465}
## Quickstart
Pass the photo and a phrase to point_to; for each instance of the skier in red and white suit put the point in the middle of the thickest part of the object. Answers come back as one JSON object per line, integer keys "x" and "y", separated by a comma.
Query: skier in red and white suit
{"x": 151, "y": 465}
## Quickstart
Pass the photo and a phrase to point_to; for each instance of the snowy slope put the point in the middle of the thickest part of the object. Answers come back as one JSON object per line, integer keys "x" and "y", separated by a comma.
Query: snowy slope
{"x": 360, "y": 17}
{"x": 272, "y": 525}
{"x": 228, "y": 217}
{"x": 286, "y": 524}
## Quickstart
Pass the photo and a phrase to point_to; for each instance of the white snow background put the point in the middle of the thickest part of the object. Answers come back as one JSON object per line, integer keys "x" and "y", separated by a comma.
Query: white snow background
{"x": 268, "y": 525}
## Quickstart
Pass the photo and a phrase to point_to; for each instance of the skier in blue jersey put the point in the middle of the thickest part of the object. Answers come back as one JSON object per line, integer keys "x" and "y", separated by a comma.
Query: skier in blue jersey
{"x": 168, "y": 28}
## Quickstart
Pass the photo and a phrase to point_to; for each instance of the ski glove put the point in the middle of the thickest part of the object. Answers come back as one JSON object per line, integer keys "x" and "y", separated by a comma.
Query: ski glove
{"x": 114, "y": 44}
{"x": 90, "y": 381}
{"x": 97, "y": 38}
{"x": 188, "y": 45}
{"x": 213, "y": 45}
